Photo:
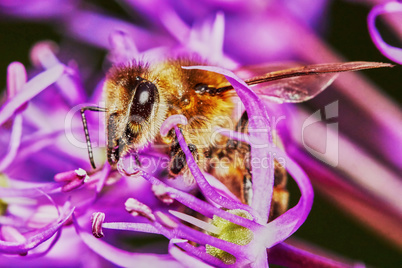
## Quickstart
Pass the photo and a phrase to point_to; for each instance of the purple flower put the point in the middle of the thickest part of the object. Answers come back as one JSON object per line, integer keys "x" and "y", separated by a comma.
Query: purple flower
{"x": 248, "y": 245}
{"x": 51, "y": 193}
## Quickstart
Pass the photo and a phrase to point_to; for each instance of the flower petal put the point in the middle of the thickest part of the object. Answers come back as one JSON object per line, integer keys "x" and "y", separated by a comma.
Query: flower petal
{"x": 290, "y": 256}
{"x": 30, "y": 90}
{"x": 286, "y": 224}
{"x": 391, "y": 52}
{"x": 29, "y": 192}
{"x": 37, "y": 238}
{"x": 16, "y": 78}
{"x": 14, "y": 144}
{"x": 123, "y": 48}
{"x": 184, "y": 258}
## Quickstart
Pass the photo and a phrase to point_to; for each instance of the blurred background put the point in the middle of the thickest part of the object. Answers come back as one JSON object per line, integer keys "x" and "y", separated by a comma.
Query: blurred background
{"x": 343, "y": 25}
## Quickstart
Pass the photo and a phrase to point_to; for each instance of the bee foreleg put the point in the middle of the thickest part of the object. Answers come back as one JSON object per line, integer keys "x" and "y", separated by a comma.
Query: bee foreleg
{"x": 178, "y": 161}
{"x": 85, "y": 125}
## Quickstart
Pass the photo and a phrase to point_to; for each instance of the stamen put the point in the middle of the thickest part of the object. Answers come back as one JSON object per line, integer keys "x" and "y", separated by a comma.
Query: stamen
{"x": 74, "y": 178}
{"x": 196, "y": 222}
{"x": 65, "y": 176}
{"x": 135, "y": 208}
{"x": 43, "y": 54}
{"x": 165, "y": 220}
{"x": 16, "y": 78}
{"x": 82, "y": 174}
{"x": 161, "y": 193}
{"x": 172, "y": 121}
{"x": 97, "y": 220}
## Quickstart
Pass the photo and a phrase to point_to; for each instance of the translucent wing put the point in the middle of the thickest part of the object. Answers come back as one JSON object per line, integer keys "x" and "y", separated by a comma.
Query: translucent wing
{"x": 298, "y": 84}
{"x": 294, "y": 89}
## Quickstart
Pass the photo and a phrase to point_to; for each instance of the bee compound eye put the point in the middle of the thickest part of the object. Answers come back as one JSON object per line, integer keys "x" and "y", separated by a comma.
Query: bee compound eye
{"x": 201, "y": 88}
{"x": 144, "y": 99}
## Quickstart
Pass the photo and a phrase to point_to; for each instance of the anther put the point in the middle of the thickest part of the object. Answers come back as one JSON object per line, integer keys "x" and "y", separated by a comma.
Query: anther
{"x": 136, "y": 208}
{"x": 161, "y": 193}
{"x": 74, "y": 179}
{"x": 97, "y": 221}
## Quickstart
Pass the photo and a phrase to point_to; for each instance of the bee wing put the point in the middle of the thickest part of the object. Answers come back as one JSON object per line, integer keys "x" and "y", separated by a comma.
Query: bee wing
{"x": 300, "y": 84}
{"x": 250, "y": 71}
{"x": 295, "y": 89}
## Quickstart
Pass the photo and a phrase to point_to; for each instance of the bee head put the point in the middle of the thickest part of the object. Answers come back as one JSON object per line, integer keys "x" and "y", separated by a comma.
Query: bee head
{"x": 134, "y": 113}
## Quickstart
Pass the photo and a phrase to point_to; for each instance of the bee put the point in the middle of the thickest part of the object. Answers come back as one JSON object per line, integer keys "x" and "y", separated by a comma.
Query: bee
{"x": 140, "y": 97}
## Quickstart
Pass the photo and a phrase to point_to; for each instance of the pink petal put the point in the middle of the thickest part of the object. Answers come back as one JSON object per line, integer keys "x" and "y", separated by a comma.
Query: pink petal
{"x": 123, "y": 48}
{"x": 43, "y": 53}
{"x": 30, "y": 90}
{"x": 14, "y": 144}
{"x": 286, "y": 224}
{"x": 183, "y": 257}
{"x": 16, "y": 78}
{"x": 393, "y": 53}
{"x": 37, "y": 238}
{"x": 29, "y": 192}
{"x": 172, "y": 121}
{"x": 95, "y": 28}
{"x": 290, "y": 256}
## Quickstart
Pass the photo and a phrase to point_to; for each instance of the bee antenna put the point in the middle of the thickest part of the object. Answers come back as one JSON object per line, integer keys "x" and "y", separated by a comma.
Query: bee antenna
{"x": 84, "y": 123}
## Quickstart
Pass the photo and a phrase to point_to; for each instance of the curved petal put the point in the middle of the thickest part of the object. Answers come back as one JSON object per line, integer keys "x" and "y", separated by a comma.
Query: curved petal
{"x": 69, "y": 84}
{"x": 16, "y": 78}
{"x": 183, "y": 257}
{"x": 30, "y": 192}
{"x": 30, "y": 90}
{"x": 391, "y": 52}
{"x": 286, "y": 224}
{"x": 14, "y": 144}
{"x": 34, "y": 240}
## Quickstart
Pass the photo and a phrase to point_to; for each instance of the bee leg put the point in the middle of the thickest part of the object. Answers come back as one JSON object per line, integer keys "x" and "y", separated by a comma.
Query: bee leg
{"x": 247, "y": 187}
{"x": 84, "y": 123}
{"x": 178, "y": 158}
{"x": 280, "y": 196}
{"x": 178, "y": 162}
{"x": 243, "y": 122}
